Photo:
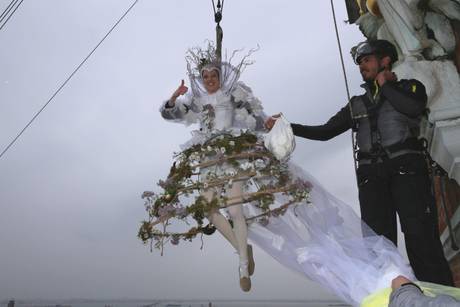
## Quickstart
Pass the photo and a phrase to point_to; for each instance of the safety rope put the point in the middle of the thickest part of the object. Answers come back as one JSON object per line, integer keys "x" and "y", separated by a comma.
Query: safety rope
{"x": 219, "y": 32}
{"x": 210, "y": 228}
{"x": 345, "y": 77}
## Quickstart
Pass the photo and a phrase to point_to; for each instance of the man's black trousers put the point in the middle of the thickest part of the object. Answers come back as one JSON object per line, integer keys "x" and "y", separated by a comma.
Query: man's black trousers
{"x": 402, "y": 185}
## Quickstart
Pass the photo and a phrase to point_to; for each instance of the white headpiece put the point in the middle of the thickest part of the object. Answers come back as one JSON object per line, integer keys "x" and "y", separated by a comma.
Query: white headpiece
{"x": 211, "y": 67}
{"x": 199, "y": 59}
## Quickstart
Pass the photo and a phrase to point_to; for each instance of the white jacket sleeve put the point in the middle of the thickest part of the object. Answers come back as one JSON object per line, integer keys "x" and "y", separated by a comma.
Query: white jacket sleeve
{"x": 181, "y": 112}
{"x": 244, "y": 99}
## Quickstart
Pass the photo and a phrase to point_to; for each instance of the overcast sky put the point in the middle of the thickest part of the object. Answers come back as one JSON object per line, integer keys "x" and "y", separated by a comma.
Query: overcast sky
{"x": 70, "y": 187}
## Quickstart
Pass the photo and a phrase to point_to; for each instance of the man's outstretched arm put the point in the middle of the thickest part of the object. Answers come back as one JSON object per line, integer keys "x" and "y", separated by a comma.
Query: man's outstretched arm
{"x": 338, "y": 124}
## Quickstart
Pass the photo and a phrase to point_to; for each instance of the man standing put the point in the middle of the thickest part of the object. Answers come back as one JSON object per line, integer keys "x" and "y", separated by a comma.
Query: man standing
{"x": 392, "y": 173}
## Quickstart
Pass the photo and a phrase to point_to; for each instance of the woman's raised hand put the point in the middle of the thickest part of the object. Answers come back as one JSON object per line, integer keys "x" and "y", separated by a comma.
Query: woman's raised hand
{"x": 181, "y": 90}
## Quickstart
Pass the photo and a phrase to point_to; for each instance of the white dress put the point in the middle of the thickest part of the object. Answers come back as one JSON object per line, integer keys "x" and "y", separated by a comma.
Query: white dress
{"x": 231, "y": 112}
{"x": 218, "y": 114}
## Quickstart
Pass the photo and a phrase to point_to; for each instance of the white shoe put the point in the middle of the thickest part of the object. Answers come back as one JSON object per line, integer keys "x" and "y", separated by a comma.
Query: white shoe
{"x": 245, "y": 281}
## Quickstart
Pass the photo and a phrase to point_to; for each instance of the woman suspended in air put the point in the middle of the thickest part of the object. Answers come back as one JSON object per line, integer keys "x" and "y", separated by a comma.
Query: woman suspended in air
{"x": 225, "y": 110}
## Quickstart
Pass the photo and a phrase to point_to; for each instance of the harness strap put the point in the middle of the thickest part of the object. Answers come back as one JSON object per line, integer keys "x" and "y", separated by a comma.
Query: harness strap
{"x": 372, "y": 108}
{"x": 409, "y": 145}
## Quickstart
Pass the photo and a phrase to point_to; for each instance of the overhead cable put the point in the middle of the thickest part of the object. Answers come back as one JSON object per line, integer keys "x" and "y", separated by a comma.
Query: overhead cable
{"x": 66, "y": 81}
{"x": 9, "y": 12}
{"x": 7, "y": 9}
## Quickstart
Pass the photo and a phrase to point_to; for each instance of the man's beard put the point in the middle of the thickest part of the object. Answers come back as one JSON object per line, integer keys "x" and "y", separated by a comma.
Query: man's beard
{"x": 372, "y": 73}
{"x": 366, "y": 79}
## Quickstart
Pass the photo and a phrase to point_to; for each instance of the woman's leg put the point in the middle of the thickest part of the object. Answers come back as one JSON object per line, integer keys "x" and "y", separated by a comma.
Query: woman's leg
{"x": 240, "y": 228}
{"x": 220, "y": 222}
{"x": 237, "y": 236}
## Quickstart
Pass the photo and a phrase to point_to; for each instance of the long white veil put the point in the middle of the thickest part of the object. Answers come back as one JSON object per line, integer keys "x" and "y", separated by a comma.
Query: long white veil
{"x": 328, "y": 243}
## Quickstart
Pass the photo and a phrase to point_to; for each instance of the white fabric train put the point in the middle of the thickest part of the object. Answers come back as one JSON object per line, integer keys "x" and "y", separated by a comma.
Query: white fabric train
{"x": 328, "y": 243}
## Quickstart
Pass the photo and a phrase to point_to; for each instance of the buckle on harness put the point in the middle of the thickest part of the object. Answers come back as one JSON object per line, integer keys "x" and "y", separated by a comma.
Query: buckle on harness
{"x": 374, "y": 155}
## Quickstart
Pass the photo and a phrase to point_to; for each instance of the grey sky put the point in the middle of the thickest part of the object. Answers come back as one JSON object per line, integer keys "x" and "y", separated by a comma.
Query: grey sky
{"x": 70, "y": 188}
